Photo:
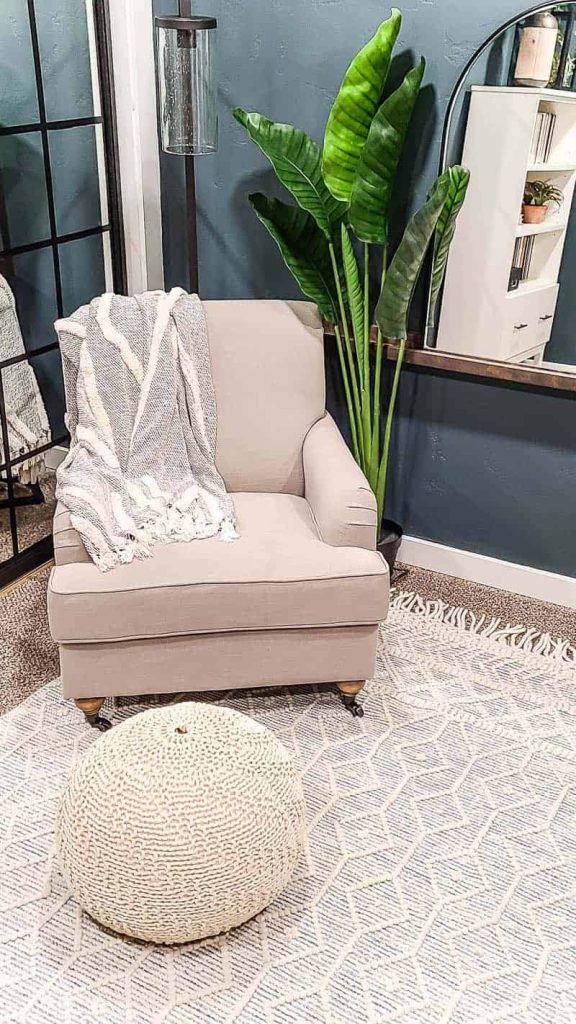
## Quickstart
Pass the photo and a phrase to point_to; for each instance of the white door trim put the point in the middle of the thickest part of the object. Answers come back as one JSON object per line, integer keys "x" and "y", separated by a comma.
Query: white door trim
{"x": 492, "y": 572}
{"x": 132, "y": 32}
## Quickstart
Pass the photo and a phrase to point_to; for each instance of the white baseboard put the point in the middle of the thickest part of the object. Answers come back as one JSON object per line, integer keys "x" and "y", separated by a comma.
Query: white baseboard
{"x": 54, "y": 456}
{"x": 492, "y": 572}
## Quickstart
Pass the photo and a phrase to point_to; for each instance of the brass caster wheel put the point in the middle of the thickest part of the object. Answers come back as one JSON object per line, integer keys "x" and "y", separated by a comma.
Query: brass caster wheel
{"x": 352, "y": 705}
{"x": 91, "y": 708}
{"x": 99, "y": 723}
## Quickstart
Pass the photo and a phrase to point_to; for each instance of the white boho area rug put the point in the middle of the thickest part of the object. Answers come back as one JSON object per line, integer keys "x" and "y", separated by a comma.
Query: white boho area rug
{"x": 439, "y": 881}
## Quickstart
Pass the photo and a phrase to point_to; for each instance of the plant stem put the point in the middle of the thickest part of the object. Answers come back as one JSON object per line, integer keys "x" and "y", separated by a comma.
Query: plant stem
{"x": 357, "y": 404}
{"x": 344, "y": 372}
{"x": 375, "y": 443}
{"x": 366, "y": 405}
{"x": 383, "y": 471}
{"x": 366, "y": 303}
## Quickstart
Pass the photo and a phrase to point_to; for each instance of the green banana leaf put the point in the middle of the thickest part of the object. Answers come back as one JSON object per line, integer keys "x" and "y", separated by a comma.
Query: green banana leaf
{"x": 354, "y": 108}
{"x": 304, "y": 248}
{"x": 355, "y": 295}
{"x": 297, "y": 160}
{"x": 445, "y": 228}
{"x": 398, "y": 289}
{"x": 378, "y": 164}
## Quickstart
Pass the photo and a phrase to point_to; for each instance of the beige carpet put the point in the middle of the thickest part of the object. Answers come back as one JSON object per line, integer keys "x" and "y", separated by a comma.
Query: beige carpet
{"x": 546, "y": 618}
{"x": 28, "y": 657}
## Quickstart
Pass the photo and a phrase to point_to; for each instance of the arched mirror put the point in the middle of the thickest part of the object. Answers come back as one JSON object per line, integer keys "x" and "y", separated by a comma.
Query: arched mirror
{"x": 507, "y": 306}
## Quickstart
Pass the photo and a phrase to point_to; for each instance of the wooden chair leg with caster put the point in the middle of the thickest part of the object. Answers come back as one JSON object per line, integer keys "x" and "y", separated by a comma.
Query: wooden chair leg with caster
{"x": 348, "y": 693}
{"x": 91, "y": 706}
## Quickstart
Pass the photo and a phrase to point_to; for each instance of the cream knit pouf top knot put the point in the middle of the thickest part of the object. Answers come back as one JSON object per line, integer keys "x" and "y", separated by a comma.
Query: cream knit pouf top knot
{"x": 181, "y": 823}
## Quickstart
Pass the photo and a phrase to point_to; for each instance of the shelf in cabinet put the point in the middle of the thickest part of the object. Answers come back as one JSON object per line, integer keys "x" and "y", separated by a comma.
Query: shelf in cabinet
{"x": 540, "y": 229}
{"x": 551, "y": 167}
{"x": 526, "y": 287}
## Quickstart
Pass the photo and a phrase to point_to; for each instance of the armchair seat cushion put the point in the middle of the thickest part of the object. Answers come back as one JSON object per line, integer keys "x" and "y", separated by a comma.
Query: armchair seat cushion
{"x": 279, "y": 574}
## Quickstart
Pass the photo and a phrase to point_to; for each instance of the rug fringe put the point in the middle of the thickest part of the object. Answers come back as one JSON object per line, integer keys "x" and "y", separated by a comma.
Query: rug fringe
{"x": 523, "y": 638}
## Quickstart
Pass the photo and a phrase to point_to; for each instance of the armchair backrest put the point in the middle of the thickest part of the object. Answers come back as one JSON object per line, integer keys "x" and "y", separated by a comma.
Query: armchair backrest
{"x": 268, "y": 369}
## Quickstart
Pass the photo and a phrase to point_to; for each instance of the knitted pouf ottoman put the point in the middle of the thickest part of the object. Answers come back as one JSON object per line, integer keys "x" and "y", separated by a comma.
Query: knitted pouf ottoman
{"x": 181, "y": 823}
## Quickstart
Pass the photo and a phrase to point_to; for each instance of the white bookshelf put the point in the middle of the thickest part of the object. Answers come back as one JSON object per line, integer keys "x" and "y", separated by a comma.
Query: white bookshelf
{"x": 479, "y": 315}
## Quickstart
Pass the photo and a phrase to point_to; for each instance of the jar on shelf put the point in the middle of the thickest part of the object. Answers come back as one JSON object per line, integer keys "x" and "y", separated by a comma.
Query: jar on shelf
{"x": 538, "y": 38}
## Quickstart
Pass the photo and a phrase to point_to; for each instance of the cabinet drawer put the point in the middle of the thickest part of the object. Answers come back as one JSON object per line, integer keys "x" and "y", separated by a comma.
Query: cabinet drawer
{"x": 529, "y": 319}
{"x": 519, "y": 335}
{"x": 545, "y": 323}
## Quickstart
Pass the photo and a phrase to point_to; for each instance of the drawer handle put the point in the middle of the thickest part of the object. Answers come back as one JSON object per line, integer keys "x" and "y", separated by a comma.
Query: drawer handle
{"x": 520, "y": 327}
{"x": 547, "y": 317}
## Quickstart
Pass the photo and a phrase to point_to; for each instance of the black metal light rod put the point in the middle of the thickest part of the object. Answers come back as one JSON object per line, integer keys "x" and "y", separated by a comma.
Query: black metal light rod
{"x": 185, "y": 11}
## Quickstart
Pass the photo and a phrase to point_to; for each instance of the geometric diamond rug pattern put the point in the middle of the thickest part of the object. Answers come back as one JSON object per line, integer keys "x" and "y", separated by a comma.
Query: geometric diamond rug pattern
{"x": 438, "y": 882}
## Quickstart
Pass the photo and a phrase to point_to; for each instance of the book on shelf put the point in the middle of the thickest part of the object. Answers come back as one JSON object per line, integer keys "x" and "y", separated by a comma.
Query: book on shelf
{"x": 542, "y": 138}
{"x": 521, "y": 261}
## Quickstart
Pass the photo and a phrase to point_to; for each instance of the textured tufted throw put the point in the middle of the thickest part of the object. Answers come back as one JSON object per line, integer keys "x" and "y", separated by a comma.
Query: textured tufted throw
{"x": 181, "y": 823}
{"x": 141, "y": 411}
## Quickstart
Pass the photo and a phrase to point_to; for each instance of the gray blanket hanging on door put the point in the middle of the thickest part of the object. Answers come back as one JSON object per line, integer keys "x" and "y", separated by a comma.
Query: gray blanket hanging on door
{"x": 28, "y": 426}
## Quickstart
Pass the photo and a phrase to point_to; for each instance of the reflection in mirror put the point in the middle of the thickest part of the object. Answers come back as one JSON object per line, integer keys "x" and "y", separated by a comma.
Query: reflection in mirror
{"x": 26, "y": 483}
{"x": 34, "y": 506}
{"x": 508, "y": 292}
{"x": 34, "y": 517}
{"x": 61, "y": 242}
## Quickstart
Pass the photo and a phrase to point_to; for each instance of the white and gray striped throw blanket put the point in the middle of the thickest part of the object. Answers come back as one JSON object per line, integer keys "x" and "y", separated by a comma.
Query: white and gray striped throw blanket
{"x": 28, "y": 426}
{"x": 142, "y": 421}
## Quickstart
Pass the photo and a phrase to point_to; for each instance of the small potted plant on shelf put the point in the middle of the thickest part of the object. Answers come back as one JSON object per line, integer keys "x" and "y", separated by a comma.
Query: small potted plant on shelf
{"x": 538, "y": 197}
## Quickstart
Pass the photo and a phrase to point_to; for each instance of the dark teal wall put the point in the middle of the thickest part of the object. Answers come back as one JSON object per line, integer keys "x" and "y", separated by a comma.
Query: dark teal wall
{"x": 483, "y": 467}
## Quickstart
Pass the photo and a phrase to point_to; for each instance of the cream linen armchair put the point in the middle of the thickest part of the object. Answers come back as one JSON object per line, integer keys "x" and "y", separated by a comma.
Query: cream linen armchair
{"x": 297, "y": 599}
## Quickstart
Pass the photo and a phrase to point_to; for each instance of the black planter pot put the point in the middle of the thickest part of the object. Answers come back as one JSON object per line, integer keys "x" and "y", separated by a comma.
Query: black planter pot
{"x": 389, "y": 541}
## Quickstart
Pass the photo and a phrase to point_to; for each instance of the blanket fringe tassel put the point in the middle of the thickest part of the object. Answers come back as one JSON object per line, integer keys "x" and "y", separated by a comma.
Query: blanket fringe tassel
{"x": 523, "y": 638}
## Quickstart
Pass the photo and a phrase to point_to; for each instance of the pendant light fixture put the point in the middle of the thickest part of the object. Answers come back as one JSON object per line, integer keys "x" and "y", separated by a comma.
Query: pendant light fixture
{"x": 187, "y": 100}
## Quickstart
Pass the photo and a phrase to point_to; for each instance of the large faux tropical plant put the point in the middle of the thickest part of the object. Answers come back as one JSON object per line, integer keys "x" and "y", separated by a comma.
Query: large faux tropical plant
{"x": 344, "y": 192}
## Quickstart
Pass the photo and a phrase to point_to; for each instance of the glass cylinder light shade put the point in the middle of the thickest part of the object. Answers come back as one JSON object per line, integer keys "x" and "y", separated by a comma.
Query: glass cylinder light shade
{"x": 187, "y": 85}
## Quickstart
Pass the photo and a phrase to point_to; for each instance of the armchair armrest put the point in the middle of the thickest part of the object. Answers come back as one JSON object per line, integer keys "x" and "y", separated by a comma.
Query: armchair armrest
{"x": 68, "y": 546}
{"x": 336, "y": 489}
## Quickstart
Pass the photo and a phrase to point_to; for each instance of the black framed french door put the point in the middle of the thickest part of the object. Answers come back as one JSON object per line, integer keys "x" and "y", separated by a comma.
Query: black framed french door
{"x": 61, "y": 228}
